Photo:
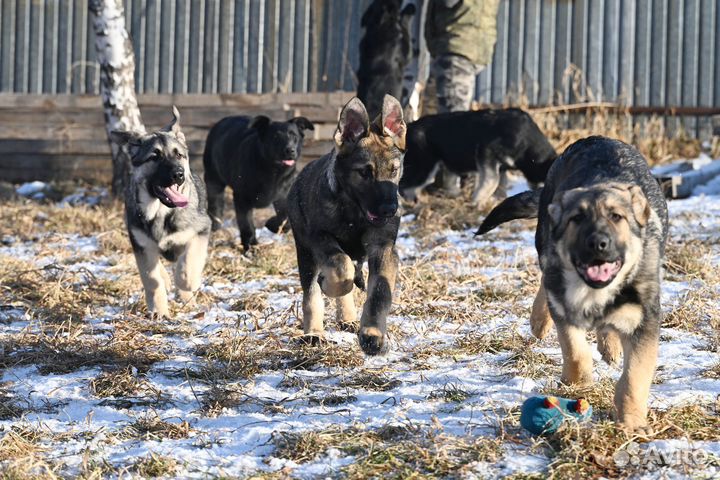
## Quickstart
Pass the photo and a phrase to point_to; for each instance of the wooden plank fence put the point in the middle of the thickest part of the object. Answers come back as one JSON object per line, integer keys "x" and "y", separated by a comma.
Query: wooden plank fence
{"x": 62, "y": 137}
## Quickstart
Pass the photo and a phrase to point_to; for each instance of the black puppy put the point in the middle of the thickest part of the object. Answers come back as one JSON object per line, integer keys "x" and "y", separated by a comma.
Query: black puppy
{"x": 483, "y": 142}
{"x": 384, "y": 52}
{"x": 256, "y": 157}
{"x": 343, "y": 209}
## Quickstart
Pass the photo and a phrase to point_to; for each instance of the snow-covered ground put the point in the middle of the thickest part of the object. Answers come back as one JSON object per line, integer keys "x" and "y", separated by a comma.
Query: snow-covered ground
{"x": 461, "y": 361}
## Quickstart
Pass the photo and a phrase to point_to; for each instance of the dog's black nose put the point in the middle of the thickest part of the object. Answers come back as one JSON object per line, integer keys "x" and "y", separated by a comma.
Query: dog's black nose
{"x": 599, "y": 242}
{"x": 178, "y": 176}
{"x": 290, "y": 153}
{"x": 387, "y": 209}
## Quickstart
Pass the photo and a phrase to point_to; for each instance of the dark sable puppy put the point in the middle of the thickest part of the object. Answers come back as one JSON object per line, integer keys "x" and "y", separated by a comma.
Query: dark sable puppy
{"x": 384, "y": 52}
{"x": 602, "y": 229}
{"x": 483, "y": 142}
{"x": 256, "y": 157}
{"x": 343, "y": 208}
{"x": 165, "y": 212}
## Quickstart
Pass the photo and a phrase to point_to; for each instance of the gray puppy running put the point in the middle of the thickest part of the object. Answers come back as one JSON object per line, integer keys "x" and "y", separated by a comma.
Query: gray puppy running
{"x": 165, "y": 213}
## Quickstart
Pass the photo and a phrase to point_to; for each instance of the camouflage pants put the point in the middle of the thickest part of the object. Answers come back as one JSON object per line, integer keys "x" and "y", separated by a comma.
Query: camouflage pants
{"x": 453, "y": 78}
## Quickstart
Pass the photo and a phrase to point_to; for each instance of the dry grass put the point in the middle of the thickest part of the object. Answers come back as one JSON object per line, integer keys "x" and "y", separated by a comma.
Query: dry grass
{"x": 122, "y": 382}
{"x": 398, "y": 451}
{"x": 690, "y": 259}
{"x": 152, "y": 427}
{"x": 68, "y": 348}
{"x": 155, "y": 465}
{"x": 696, "y": 310}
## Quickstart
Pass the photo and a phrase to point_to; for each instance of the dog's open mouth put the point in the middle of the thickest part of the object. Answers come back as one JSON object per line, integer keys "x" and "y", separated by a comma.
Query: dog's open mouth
{"x": 599, "y": 273}
{"x": 375, "y": 219}
{"x": 288, "y": 163}
{"x": 171, "y": 196}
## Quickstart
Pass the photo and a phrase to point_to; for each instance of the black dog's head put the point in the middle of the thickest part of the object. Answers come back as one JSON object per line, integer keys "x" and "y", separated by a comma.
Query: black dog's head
{"x": 159, "y": 161}
{"x": 386, "y": 14}
{"x": 368, "y": 165}
{"x": 598, "y": 231}
{"x": 281, "y": 142}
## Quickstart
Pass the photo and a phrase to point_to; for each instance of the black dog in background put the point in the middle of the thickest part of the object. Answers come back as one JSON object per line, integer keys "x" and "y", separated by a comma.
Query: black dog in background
{"x": 384, "y": 52}
{"x": 484, "y": 143}
{"x": 256, "y": 158}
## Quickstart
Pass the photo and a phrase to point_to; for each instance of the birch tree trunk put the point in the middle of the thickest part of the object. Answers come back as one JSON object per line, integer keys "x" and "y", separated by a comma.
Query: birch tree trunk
{"x": 117, "y": 81}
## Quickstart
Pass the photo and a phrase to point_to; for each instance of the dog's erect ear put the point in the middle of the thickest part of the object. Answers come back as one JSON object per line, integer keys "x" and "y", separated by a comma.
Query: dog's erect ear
{"x": 393, "y": 125}
{"x": 122, "y": 138}
{"x": 302, "y": 123}
{"x": 353, "y": 123}
{"x": 640, "y": 205}
{"x": 260, "y": 123}
{"x": 174, "y": 126}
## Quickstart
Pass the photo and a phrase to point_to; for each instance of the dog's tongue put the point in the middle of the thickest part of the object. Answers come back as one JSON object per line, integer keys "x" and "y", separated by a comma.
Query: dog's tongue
{"x": 602, "y": 272}
{"x": 175, "y": 196}
{"x": 289, "y": 163}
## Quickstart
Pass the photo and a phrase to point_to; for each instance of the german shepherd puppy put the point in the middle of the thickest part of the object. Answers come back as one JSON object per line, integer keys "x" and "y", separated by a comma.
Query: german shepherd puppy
{"x": 256, "y": 157}
{"x": 484, "y": 143}
{"x": 165, "y": 213}
{"x": 343, "y": 208}
{"x": 601, "y": 234}
{"x": 384, "y": 52}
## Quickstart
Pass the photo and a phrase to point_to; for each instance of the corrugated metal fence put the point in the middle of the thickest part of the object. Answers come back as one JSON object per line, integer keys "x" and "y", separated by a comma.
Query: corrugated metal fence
{"x": 638, "y": 52}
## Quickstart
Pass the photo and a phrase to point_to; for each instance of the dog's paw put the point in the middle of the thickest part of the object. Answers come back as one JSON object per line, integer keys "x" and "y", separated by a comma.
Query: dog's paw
{"x": 635, "y": 424}
{"x": 372, "y": 341}
{"x": 313, "y": 339}
{"x": 610, "y": 347}
{"x": 186, "y": 296}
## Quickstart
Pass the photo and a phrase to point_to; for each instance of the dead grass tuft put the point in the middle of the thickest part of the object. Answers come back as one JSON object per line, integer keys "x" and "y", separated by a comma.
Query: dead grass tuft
{"x": 690, "y": 259}
{"x": 152, "y": 427}
{"x": 367, "y": 380}
{"x": 122, "y": 382}
{"x": 155, "y": 465}
{"x": 69, "y": 348}
{"x": 398, "y": 451}
{"x": 451, "y": 392}
{"x": 696, "y": 311}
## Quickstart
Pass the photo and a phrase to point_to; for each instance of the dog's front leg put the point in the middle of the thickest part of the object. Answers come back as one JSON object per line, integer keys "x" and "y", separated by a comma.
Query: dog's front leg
{"x": 640, "y": 350}
{"x": 540, "y": 319}
{"x": 153, "y": 279}
{"x": 312, "y": 303}
{"x": 279, "y": 222}
{"x": 337, "y": 271}
{"x": 382, "y": 266}
{"x": 244, "y": 217}
{"x": 577, "y": 356}
{"x": 189, "y": 267}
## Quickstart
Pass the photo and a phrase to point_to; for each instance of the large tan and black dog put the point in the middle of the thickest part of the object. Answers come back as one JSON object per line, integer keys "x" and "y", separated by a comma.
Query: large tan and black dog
{"x": 602, "y": 229}
{"x": 343, "y": 208}
{"x": 166, "y": 213}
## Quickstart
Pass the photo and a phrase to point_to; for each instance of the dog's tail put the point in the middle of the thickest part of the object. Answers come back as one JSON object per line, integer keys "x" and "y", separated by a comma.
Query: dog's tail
{"x": 522, "y": 205}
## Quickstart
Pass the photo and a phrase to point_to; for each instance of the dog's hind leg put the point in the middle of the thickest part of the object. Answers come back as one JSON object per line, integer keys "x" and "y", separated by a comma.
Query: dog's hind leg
{"x": 312, "y": 303}
{"x": 382, "y": 266}
{"x": 487, "y": 180}
{"x": 540, "y": 320}
{"x": 640, "y": 351}
{"x": 189, "y": 267}
{"x": 216, "y": 198}
{"x": 153, "y": 275}
{"x": 577, "y": 357}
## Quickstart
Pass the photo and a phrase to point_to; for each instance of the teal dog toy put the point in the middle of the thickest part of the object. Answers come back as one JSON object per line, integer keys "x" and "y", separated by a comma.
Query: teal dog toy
{"x": 543, "y": 415}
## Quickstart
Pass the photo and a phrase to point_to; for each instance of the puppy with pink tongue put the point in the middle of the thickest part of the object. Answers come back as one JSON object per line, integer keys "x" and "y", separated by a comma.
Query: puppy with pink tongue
{"x": 601, "y": 234}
